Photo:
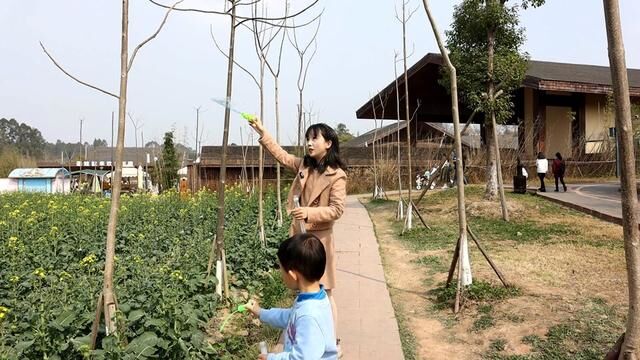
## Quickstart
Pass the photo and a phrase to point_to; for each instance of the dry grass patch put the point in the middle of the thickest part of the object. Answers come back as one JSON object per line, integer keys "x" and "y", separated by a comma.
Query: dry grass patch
{"x": 568, "y": 269}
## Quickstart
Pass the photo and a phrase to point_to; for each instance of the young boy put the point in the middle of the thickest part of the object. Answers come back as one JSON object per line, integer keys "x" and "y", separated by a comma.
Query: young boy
{"x": 309, "y": 333}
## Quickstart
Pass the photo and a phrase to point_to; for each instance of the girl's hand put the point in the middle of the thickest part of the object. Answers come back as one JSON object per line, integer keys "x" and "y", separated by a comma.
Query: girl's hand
{"x": 262, "y": 357}
{"x": 299, "y": 213}
{"x": 256, "y": 124}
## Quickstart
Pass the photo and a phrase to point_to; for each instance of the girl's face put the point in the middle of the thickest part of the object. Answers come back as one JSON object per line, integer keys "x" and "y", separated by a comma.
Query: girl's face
{"x": 317, "y": 146}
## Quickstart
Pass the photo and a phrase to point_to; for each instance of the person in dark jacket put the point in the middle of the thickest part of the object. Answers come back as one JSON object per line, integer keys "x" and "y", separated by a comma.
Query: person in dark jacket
{"x": 558, "y": 171}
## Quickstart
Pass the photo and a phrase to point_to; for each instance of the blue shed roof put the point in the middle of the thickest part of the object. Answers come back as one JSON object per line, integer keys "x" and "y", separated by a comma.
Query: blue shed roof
{"x": 37, "y": 173}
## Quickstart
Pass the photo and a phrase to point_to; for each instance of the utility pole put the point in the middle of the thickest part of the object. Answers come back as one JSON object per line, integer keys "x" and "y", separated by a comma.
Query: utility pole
{"x": 81, "y": 146}
{"x": 112, "y": 115}
{"x": 197, "y": 129}
{"x": 146, "y": 160}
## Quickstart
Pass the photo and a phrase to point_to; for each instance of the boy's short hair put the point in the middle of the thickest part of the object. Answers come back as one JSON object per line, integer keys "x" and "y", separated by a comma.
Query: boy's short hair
{"x": 305, "y": 254}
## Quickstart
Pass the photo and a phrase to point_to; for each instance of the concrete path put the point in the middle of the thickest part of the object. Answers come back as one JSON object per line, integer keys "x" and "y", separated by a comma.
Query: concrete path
{"x": 599, "y": 200}
{"x": 366, "y": 321}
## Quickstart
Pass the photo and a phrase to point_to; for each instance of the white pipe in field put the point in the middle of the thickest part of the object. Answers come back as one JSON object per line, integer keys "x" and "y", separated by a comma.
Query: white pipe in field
{"x": 219, "y": 277}
{"x": 400, "y": 211}
{"x": 466, "y": 263}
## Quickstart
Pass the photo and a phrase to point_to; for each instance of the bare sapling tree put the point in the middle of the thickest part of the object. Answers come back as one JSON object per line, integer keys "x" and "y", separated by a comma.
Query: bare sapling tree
{"x": 263, "y": 38}
{"x": 199, "y": 131}
{"x": 259, "y": 82}
{"x": 303, "y": 69}
{"x": 379, "y": 192}
{"x": 411, "y": 207}
{"x": 464, "y": 265}
{"x": 404, "y": 19}
{"x": 630, "y": 349}
{"x": 137, "y": 124}
{"x": 376, "y": 193}
{"x": 235, "y": 21}
{"x": 262, "y": 48}
{"x": 107, "y": 302}
{"x": 400, "y": 211}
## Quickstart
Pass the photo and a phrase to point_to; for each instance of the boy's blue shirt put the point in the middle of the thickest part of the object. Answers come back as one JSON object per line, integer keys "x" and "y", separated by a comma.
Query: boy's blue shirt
{"x": 309, "y": 328}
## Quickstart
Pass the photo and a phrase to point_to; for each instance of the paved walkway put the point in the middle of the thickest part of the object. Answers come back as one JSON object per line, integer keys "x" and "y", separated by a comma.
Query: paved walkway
{"x": 366, "y": 321}
{"x": 600, "y": 200}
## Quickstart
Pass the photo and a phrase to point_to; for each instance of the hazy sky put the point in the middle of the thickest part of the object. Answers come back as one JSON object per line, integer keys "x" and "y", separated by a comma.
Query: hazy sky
{"x": 181, "y": 69}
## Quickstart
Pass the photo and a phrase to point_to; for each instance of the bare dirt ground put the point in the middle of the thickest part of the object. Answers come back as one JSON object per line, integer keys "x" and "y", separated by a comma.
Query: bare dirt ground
{"x": 567, "y": 268}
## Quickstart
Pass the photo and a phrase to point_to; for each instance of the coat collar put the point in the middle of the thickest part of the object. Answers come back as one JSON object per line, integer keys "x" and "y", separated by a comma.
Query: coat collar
{"x": 322, "y": 182}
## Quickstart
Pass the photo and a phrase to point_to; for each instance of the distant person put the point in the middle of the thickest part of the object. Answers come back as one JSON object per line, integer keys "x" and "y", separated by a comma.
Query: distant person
{"x": 521, "y": 170}
{"x": 557, "y": 167}
{"x": 542, "y": 166}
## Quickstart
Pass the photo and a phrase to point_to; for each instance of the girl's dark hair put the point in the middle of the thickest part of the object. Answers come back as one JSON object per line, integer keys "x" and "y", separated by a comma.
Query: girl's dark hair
{"x": 332, "y": 158}
{"x": 305, "y": 254}
{"x": 541, "y": 155}
{"x": 558, "y": 156}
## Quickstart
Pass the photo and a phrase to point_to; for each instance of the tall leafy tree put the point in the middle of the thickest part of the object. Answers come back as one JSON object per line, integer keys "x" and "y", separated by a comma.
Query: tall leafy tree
{"x": 343, "y": 133}
{"x": 485, "y": 43}
{"x": 169, "y": 162}
{"x": 23, "y": 138}
{"x": 100, "y": 143}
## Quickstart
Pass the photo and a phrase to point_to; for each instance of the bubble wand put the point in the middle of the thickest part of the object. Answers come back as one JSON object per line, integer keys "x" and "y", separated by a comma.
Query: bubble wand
{"x": 227, "y": 104}
{"x": 240, "y": 309}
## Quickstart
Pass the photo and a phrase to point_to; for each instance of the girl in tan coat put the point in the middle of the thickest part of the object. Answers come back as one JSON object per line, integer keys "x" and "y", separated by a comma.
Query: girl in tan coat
{"x": 320, "y": 184}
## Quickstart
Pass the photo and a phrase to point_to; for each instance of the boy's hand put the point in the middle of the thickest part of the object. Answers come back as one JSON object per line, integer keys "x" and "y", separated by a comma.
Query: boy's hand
{"x": 300, "y": 213}
{"x": 256, "y": 124}
{"x": 253, "y": 307}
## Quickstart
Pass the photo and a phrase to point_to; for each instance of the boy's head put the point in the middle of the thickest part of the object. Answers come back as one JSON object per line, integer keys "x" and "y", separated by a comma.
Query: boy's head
{"x": 302, "y": 257}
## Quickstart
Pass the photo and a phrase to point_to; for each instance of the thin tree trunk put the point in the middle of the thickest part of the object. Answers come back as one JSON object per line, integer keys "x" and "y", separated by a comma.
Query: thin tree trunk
{"x": 491, "y": 173}
{"x": 373, "y": 151}
{"x": 464, "y": 276}
{"x": 225, "y": 141}
{"x": 398, "y": 132}
{"x": 491, "y": 95}
{"x": 109, "y": 301}
{"x": 261, "y": 162}
{"x": 624, "y": 130}
{"x": 406, "y": 101}
{"x": 491, "y": 190}
{"x": 278, "y": 190}
{"x": 300, "y": 123}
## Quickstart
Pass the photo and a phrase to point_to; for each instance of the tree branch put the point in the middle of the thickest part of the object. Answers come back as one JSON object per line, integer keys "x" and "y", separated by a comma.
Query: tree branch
{"x": 234, "y": 61}
{"x": 282, "y": 26}
{"x": 473, "y": 114}
{"x": 237, "y": 17}
{"x": 73, "y": 77}
{"x": 302, "y": 74}
{"x": 164, "y": 20}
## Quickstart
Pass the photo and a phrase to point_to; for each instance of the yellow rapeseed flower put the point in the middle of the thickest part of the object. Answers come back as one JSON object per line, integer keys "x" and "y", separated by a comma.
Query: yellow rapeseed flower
{"x": 88, "y": 260}
{"x": 39, "y": 272}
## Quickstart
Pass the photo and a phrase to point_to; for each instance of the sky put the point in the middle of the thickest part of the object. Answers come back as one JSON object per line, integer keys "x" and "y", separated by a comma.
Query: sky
{"x": 181, "y": 69}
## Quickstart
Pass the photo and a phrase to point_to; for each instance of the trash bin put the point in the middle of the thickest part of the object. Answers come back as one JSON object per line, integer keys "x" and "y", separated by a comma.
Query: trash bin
{"x": 519, "y": 184}
{"x": 520, "y": 180}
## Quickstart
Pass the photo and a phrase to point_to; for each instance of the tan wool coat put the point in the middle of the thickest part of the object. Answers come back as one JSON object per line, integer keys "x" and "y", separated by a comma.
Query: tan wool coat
{"x": 324, "y": 201}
